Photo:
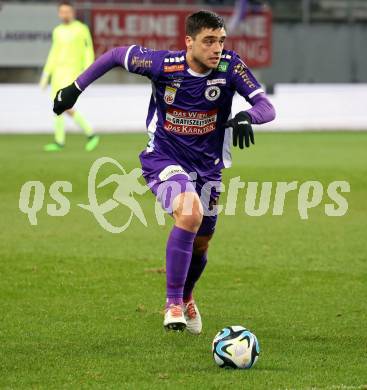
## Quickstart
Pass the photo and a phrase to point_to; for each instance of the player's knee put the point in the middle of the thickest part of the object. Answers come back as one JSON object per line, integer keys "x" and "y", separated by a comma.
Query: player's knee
{"x": 188, "y": 211}
{"x": 190, "y": 222}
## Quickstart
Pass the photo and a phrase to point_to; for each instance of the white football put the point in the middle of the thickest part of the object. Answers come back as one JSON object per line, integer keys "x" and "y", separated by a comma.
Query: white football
{"x": 235, "y": 347}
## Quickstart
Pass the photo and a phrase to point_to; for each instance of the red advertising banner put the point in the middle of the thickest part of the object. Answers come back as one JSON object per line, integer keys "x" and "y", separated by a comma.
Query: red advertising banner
{"x": 164, "y": 28}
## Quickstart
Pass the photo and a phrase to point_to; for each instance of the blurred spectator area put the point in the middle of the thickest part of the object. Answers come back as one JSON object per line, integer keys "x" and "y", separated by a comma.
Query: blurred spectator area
{"x": 283, "y": 10}
{"x": 304, "y": 33}
{"x": 319, "y": 10}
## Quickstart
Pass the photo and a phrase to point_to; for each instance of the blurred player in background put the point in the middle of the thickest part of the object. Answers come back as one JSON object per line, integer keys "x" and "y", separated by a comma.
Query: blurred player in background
{"x": 240, "y": 10}
{"x": 191, "y": 131}
{"x": 71, "y": 53}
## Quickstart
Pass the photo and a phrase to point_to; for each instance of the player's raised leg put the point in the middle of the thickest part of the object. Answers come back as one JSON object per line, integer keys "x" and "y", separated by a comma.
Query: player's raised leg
{"x": 188, "y": 214}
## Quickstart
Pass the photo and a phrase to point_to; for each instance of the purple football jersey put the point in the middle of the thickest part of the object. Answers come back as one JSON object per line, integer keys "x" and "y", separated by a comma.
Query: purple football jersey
{"x": 187, "y": 110}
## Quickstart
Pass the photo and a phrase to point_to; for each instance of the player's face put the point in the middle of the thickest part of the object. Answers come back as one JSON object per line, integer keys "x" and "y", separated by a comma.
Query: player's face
{"x": 206, "y": 47}
{"x": 66, "y": 14}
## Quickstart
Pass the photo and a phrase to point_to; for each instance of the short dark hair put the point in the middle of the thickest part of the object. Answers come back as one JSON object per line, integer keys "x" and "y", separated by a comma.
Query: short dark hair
{"x": 65, "y": 2}
{"x": 203, "y": 19}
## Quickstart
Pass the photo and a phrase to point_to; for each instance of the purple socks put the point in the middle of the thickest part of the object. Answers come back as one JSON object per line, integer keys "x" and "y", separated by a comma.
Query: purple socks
{"x": 197, "y": 265}
{"x": 178, "y": 258}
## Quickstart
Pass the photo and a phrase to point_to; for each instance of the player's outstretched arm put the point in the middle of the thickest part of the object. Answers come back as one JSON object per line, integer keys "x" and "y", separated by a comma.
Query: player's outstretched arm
{"x": 262, "y": 111}
{"x": 66, "y": 97}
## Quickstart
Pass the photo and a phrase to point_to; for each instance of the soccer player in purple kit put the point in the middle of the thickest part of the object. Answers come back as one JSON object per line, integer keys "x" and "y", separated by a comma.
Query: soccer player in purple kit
{"x": 190, "y": 131}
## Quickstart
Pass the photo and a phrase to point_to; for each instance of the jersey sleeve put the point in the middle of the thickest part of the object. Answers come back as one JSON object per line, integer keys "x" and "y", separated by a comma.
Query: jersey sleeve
{"x": 143, "y": 61}
{"x": 242, "y": 79}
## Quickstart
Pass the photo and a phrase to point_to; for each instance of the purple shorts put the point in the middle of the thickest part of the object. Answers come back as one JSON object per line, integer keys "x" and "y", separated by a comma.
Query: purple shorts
{"x": 168, "y": 178}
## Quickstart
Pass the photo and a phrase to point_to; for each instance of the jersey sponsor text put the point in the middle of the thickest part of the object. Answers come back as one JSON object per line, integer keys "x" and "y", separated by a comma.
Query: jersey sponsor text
{"x": 190, "y": 122}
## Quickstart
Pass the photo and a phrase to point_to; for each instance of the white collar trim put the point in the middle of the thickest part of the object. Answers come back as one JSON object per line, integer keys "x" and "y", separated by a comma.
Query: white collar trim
{"x": 196, "y": 74}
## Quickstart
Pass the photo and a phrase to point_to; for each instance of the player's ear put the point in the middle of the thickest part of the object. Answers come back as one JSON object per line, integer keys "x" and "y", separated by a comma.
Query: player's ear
{"x": 188, "y": 41}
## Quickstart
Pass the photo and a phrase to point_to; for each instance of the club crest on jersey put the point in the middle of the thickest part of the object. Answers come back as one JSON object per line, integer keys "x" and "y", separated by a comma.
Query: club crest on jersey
{"x": 212, "y": 93}
{"x": 169, "y": 95}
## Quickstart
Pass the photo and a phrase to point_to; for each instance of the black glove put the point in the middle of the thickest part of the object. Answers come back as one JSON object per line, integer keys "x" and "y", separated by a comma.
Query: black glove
{"x": 65, "y": 98}
{"x": 242, "y": 129}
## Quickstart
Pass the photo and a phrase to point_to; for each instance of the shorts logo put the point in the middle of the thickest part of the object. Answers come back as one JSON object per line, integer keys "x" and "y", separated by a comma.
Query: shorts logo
{"x": 212, "y": 93}
{"x": 216, "y": 81}
{"x": 171, "y": 170}
{"x": 174, "y": 68}
{"x": 223, "y": 66}
{"x": 169, "y": 95}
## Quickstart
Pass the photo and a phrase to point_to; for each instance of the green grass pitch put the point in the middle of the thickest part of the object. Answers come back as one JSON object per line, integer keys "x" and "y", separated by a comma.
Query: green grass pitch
{"x": 82, "y": 308}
